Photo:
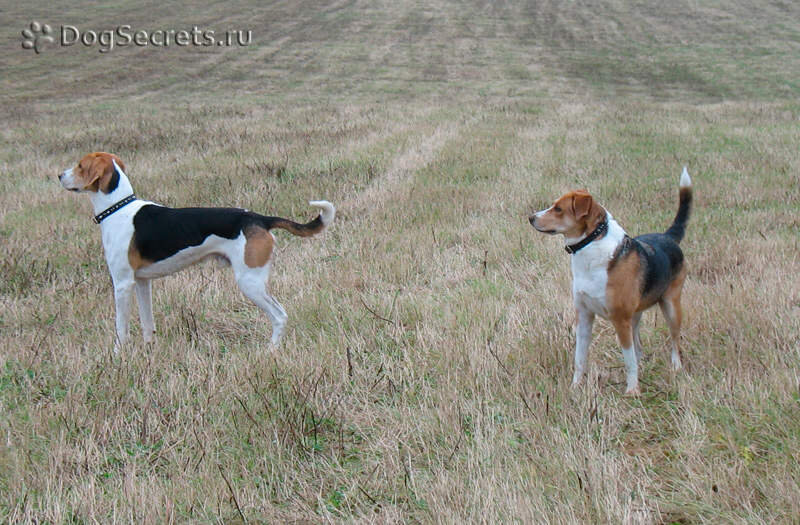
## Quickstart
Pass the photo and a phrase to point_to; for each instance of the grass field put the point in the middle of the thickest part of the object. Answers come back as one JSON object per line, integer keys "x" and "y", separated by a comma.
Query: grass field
{"x": 425, "y": 372}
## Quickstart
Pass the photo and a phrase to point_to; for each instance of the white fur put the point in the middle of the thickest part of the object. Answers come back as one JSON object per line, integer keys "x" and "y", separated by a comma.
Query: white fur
{"x": 582, "y": 341}
{"x": 231, "y": 249}
{"x": 590, "y": 269}
{"x": 117, "y": 231}
{"x": 686, "y": 180}
{"x": 631, "y": 370}
{"x": 327, "y": 211}
{"x": 589, "y": 283}
{"x": 589, "y": 286}
{"x": 669, "y": 314}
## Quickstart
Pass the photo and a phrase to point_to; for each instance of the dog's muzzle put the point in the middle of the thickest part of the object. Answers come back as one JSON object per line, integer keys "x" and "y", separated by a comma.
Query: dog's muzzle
{"x": 532, "y": 220}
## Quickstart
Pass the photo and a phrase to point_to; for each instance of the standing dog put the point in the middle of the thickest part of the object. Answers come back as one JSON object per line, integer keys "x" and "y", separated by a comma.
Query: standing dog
{"x": 143, "y": 240}
{"x": 617, "y": 277}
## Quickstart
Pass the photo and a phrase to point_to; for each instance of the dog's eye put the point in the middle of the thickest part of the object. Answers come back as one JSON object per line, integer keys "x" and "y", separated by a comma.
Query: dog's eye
{"x": 557, "y": 209}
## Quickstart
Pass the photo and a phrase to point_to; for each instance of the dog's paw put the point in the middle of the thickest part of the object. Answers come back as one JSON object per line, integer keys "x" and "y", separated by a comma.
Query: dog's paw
{"x": 633, "y": 391}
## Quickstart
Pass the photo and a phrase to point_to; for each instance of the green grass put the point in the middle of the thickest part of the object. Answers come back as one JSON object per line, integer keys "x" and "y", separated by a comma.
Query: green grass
{"x": 424, "y": 376}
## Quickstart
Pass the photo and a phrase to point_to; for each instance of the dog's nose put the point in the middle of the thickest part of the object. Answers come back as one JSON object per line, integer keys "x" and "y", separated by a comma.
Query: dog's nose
{"x": 531, "y": 219}
{"x": 60, "y": 175}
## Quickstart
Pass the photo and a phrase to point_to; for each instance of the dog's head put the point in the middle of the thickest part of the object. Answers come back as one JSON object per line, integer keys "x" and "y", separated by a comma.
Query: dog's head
{"x": 94, "y": 172}
{"x": 572, "y": 215}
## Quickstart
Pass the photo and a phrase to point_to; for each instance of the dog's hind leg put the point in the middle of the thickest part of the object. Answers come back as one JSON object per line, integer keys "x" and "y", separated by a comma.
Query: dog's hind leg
{"x": 637, "y": 342}
{"x": 671, "y": 308}
{"x": 253, "y": 283}
{"x": 278, "y": 317}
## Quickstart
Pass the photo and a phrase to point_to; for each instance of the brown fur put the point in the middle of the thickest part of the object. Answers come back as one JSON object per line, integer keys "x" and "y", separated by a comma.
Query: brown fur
{"x": 671, "y": 308}
{"x": 301, "y": 230}
{"x": 622, "y": 296}
{"x": 135, "y": 258}
{"x": 573, "y": 214}
{"x": 586, "y": 210}
{"x": 623, "y": 288}
{"x": 95, "y": 169}
{"x": 258, "y": 249}
{"x": 576, "y": 214}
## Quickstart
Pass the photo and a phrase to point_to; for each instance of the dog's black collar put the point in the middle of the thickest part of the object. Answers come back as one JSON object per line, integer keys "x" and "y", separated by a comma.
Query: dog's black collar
{"x": 113, "y": 208}
{"x": 601, "y": 229}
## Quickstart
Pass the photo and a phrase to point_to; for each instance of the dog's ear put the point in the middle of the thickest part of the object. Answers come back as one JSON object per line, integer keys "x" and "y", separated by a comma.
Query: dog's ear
{"x": 103, "y": 176}
{"x": 95, "y": 173}
{"x": 581, "y": 204}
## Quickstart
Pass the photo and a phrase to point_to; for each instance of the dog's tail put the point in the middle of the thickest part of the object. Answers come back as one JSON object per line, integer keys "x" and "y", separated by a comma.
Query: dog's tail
{"x": 325, "y": 217}
{"x": 678, "y": 228}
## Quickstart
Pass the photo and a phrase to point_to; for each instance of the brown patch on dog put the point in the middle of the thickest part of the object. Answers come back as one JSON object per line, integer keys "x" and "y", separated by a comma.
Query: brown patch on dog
{"x": 587, "y": 211}
{"x": 258, "y": 248}
{"x": 573, "y": 215}
{"x": 623, "y": 290}
{"x": 135, "y": 258}
{"x": 95, "y": 170}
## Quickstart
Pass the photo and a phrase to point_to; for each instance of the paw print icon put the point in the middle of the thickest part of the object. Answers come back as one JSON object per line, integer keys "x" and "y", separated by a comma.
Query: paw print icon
{"x": 37, "y": 35}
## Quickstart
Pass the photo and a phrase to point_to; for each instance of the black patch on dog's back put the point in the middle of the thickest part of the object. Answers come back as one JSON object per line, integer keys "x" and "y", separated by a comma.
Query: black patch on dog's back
{"x": 161, "y": 232}
{"x": 662, "y": 260}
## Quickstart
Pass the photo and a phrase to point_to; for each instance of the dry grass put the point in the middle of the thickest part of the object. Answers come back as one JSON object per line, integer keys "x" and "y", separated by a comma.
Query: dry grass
{"x": 425, "y": 372}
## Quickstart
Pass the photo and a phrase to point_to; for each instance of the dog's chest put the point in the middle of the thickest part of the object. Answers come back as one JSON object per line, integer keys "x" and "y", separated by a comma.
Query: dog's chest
{"x": 590, "y": 270}
{"x": 589, "y": 282}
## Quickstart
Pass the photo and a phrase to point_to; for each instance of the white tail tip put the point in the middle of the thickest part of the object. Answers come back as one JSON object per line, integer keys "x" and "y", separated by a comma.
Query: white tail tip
{"x": 327, "y": 211}
{"x": 686, "y": 180}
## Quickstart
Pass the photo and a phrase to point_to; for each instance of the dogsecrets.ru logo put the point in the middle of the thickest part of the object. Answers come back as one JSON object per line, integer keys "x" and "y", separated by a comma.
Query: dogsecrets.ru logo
{"x": 37, "y": 35}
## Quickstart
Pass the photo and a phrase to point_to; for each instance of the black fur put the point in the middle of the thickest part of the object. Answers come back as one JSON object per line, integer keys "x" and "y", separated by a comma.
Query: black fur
{"x": 661, "y": 261}
{"x": 678, "y": 228}
{"x": 622, "y": 250}
{"x": 113, "y": 183}
{"x": 161, "y": 232}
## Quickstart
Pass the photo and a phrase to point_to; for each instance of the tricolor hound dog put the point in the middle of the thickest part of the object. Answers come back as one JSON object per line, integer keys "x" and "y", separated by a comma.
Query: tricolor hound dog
{"x": 617, "y": 277}
{"x": 143, "y": 240}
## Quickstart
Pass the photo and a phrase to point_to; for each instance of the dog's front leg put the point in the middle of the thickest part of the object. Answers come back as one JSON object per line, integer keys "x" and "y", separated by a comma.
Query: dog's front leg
{"x": 582, "y": 340}
{"x": 123, "y": 290}
{"x": 145, "y": 301}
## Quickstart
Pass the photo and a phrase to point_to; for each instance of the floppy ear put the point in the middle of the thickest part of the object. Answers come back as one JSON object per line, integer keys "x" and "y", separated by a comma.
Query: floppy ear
{"x": 102, "y": 175}
{"x": 96, "y": 170}
{"x": 581, "y": 204}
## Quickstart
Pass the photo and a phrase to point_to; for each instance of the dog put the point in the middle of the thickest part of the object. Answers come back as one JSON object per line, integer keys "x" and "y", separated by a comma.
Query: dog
{"x": 618, "y": 277}
{"x": 143, "y": 240}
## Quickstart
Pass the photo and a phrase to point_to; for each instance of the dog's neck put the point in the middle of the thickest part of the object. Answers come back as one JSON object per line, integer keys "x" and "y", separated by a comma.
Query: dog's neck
{"x": 102, "y": 201}
{"x": 608, "y": 242}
